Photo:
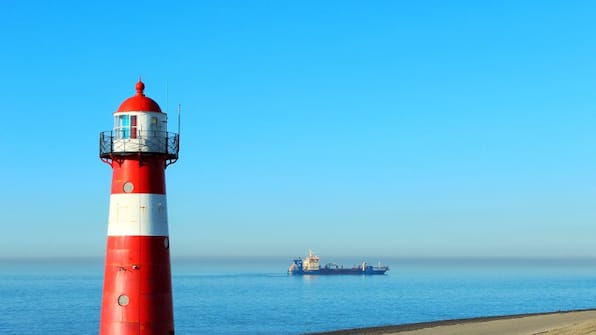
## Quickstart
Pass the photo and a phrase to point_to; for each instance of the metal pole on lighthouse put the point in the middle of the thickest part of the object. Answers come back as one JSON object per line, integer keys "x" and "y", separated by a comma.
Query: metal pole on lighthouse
{"x": 137, "y": 291}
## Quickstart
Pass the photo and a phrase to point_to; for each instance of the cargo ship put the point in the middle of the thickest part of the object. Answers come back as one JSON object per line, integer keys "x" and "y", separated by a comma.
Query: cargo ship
{"x": 310, "y": 266}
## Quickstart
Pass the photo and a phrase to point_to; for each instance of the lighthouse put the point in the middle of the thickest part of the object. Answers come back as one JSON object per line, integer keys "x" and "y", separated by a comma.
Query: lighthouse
{"x": 137, "y": 290}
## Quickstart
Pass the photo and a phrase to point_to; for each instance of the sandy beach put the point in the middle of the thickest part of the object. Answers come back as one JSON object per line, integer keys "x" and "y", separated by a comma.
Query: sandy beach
{"x": 557, "y": 323}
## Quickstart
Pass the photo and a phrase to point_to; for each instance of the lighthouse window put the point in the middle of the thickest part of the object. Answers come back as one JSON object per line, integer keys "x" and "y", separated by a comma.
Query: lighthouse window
{"x": 123, "y": 126}
{"x": 123, "y": 300}
{"x": 126, "y": 126}
{"x": 133, "y": 126}
{"x": 154, "y": 124}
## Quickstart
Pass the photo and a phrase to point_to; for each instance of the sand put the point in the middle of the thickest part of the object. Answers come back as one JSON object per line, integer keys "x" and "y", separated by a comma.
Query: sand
{"x": 557, "y": 323}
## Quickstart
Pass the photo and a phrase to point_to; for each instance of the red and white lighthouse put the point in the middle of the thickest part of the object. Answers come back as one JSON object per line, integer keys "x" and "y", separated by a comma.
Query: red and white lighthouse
{"x": 137, "y": 291}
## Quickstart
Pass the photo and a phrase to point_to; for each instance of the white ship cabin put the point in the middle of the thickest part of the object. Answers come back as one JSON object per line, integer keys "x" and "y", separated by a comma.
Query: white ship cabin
{"x": 311, "y": 262}
{"x": 140, "y": 132}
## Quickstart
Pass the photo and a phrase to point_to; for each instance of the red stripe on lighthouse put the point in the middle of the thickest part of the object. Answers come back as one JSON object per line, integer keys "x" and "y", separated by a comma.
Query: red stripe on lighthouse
{"x": 145, "y": 175}
{"x": 137, "y": 294}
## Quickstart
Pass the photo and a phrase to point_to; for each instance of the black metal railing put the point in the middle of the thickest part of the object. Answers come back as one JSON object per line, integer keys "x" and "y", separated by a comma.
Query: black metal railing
{"x": 147, "y": 142}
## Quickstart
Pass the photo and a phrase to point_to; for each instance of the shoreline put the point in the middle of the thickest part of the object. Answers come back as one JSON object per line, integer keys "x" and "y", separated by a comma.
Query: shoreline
{"x": 557, "y": 322}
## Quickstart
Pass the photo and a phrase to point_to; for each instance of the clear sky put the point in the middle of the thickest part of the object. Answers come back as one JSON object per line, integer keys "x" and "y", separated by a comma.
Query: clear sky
{"x": 373, "y": 128}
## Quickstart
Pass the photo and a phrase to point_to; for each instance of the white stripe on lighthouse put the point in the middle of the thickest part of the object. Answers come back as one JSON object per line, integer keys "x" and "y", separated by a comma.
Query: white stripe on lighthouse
{"x": 138, "y": 214}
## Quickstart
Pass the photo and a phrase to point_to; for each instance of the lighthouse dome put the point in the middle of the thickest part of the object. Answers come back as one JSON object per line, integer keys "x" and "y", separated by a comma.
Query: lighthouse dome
{"x": 139, "y": 102}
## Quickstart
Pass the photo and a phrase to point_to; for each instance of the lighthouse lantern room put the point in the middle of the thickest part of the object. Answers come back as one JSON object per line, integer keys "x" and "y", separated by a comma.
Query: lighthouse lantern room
{"x": 137, "y": 292}
{"x": 140, "y": 127}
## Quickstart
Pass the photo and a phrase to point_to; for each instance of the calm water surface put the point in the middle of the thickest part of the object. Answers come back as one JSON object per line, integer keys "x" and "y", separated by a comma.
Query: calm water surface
{"x": 49, "y": 297}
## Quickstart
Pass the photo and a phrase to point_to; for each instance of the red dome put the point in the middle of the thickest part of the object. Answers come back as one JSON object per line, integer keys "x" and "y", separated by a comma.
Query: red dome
{"x": 139, "y": 102}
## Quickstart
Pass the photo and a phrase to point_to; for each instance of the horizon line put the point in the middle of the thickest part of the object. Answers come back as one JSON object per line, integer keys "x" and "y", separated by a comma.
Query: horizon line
{"x": 285, "y": 257}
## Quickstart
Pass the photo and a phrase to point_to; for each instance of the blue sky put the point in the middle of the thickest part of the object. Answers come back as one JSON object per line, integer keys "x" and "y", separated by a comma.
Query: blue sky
{"x": 388, "y": 128}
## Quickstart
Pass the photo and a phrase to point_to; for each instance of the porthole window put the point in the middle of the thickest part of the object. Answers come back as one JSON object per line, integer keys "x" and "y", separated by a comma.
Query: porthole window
{"x": 128, "y": 187}
{"x": 123, "y": 300}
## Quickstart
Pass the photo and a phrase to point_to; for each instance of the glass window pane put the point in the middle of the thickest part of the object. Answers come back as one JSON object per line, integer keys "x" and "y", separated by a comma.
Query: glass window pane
{"x": 124, "y": 126}
{"x": 133, "y": 126}
{"x": 124, "y": 120}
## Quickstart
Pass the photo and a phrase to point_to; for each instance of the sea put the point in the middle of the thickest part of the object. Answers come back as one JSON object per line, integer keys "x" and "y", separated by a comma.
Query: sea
{"x": 256, "y": 296}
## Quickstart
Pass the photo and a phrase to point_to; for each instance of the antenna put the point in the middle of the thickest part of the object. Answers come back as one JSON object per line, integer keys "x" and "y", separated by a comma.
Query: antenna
{"x": 179, "y": 108}
{"x": 167, "y": 98}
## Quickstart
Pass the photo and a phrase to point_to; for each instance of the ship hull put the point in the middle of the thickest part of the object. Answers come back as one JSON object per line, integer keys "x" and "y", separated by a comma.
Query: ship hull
{"x": 336, "y": 272}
